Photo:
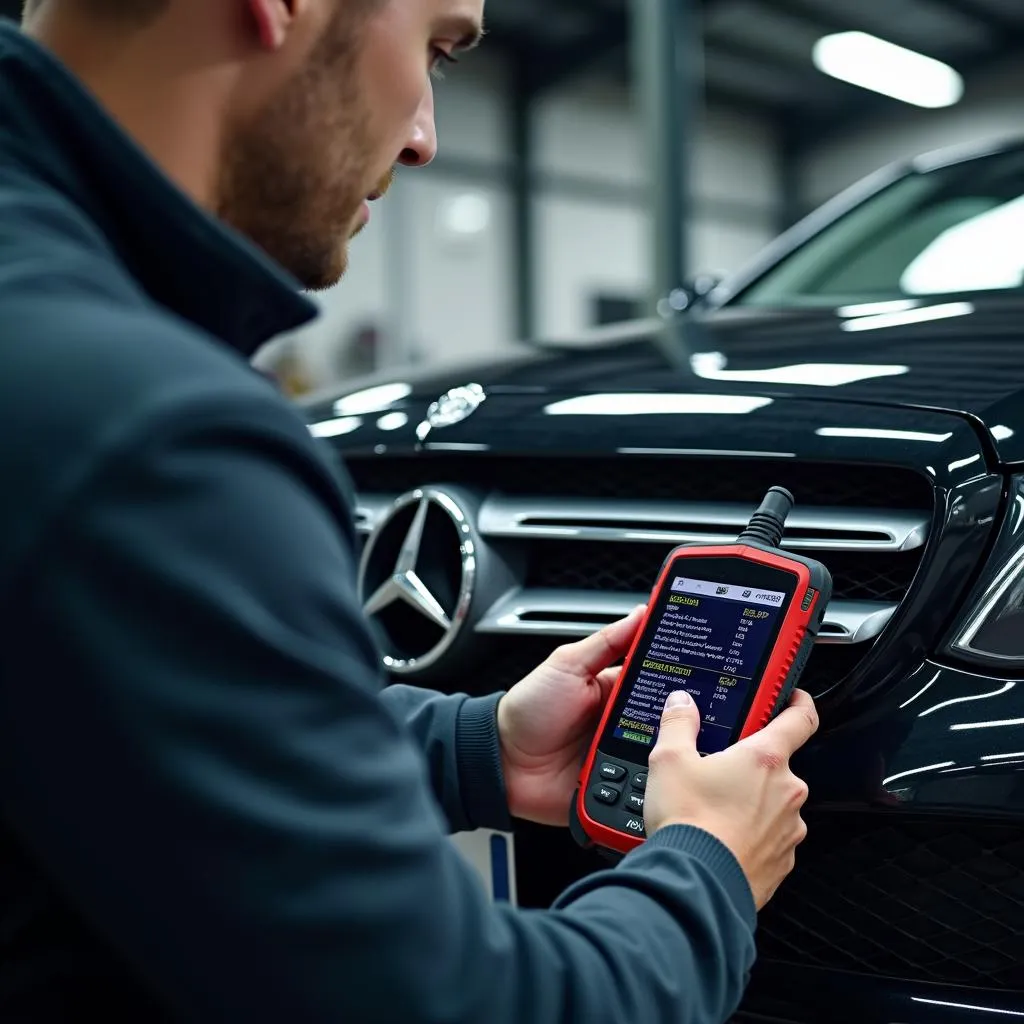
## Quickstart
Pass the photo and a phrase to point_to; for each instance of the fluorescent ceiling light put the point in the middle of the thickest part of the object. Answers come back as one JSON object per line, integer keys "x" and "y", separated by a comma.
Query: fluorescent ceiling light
{"x": 872, "y": 63}
{"x": 641, "y": 404}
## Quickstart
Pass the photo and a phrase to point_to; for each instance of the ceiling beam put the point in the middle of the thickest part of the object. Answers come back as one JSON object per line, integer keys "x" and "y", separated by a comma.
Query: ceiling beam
{"x": 761, "y": 59}
{"x": 829, "y": 22}
{"x": 552, "y": 66}
{"x": 610, "y": 34}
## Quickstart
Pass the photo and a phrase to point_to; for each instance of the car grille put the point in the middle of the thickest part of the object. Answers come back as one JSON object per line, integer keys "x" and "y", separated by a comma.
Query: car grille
{"x": 634, "y": 567}
{"x": 587, "y": 537}
{"x": 922, "y": 900}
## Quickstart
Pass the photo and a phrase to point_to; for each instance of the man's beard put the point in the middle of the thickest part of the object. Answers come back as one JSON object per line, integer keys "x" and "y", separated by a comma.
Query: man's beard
{"x": 294, "y": 177}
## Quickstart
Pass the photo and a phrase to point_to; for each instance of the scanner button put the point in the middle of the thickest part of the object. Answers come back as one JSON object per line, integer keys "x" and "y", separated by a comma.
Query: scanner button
{"x": 612, "y": 772}
{"x": 605, "y": 794}
{"x": 635, "y": 802}
{"x": 634, "y": 825}
{"x": 639, "y": 781}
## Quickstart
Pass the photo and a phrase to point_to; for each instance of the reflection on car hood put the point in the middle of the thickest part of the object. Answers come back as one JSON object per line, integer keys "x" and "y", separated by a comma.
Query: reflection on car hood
{"x": 962, "y": 357}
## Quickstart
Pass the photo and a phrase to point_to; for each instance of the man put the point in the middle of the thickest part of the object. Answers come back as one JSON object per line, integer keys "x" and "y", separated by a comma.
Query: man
{"x": 211, "y": 810}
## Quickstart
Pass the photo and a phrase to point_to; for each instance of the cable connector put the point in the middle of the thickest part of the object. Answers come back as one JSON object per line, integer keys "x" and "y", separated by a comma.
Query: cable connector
{"x": 768, "y": 523}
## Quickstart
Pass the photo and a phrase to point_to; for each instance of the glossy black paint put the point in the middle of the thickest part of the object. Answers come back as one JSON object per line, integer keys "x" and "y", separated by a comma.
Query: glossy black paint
{"x": 970, "y": 366}
{"x": 656, "y": 411}
{"x": 959, "y": 645}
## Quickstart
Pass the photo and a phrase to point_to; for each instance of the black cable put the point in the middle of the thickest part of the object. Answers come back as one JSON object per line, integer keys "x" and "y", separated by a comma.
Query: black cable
{"x": 768, "y": 523}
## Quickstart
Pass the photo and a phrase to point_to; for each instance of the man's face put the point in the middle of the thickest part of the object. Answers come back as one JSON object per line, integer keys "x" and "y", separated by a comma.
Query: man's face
{"x": 299, "y": 170}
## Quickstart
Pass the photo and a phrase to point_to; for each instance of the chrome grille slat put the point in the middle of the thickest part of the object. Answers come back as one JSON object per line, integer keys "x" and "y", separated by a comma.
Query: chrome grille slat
{"x": 617, "y": 521}
{"x": 574, "y": 613}
{"x": 823, "y": 529}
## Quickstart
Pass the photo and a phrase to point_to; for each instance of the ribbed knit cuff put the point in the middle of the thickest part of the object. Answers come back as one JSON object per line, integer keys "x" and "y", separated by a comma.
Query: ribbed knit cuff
{"x": 716, "y": 857}
{"x": 478, "y": 755}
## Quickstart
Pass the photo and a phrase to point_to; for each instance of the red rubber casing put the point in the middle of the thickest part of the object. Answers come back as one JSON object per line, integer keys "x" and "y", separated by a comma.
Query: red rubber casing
{"x": 793, "y": 644}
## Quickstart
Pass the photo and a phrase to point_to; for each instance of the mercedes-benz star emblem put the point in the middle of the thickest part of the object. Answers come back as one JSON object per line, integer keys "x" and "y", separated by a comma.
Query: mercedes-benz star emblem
{"x": 416, "y": 578}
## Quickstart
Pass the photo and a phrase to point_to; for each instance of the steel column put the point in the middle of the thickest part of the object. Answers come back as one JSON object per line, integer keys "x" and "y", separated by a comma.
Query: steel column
{"x": 667, "y": 76}
{"x": 523, "y": 249}
{"x": 663, "y": 47}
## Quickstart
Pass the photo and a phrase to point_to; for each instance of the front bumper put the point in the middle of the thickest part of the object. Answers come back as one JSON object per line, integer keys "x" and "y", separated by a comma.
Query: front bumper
{"x": 802, "y": 995}
{"x": 907, "y": 902}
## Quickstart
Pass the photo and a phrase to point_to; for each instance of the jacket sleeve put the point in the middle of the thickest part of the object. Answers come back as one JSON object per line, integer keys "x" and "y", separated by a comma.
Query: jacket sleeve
{"x": 459, "y": 738}
{"x": 193, "y": 744}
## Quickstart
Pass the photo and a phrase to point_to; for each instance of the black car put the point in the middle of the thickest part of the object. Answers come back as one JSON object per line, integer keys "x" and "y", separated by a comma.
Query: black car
{"x": 871, "y": 361}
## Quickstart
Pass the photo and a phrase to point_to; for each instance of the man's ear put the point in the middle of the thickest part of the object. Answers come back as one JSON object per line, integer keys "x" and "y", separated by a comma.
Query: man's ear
{"x": 272, "y": 19}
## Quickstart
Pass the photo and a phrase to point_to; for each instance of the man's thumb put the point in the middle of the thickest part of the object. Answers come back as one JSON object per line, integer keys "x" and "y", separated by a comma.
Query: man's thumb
{"x": 680, "y": 721}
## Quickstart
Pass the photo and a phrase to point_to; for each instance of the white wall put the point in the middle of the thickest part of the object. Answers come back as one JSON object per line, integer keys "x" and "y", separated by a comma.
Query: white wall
{"x": 437, "y": 296}
{"x": 992, "y": 107}
{"x": 589, "y": 243}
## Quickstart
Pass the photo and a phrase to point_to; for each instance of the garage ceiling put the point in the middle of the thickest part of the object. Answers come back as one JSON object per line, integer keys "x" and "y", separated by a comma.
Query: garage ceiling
{"x": 757, "y": 53}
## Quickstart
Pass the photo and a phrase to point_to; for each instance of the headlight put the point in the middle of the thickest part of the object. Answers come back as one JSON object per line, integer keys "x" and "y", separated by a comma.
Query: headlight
{"x": 992, "y": 630}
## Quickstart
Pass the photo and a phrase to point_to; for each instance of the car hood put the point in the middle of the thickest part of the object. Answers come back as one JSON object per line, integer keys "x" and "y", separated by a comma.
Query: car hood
{"x": 928, "y": 363}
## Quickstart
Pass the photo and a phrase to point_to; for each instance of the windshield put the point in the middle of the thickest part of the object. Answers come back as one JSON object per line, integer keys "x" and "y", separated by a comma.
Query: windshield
{"x": 950, "y": 230}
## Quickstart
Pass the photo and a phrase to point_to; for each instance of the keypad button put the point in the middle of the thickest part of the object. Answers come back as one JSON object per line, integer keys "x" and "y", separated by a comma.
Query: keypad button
{"x": 635, "y": 802}
{"x": 635, "y": 825}
{"x": 611, "y": 772}
{"x": 605, "y": 794}
{"x": 639, "y": 781}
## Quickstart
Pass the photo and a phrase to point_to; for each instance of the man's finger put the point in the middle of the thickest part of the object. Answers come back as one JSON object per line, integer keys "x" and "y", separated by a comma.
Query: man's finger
{"x": 794, "y": 726}
{"x": 680, "y": 725}
{"x": 596, "y": 652}
{"x": 606, "y": 680}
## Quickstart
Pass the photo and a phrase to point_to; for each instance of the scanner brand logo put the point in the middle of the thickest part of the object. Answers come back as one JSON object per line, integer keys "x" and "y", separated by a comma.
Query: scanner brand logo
{"x": 417, "y": 577}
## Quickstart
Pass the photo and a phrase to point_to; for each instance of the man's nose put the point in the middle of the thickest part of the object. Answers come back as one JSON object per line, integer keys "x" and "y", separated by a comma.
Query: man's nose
{"x": 421, "y": 147}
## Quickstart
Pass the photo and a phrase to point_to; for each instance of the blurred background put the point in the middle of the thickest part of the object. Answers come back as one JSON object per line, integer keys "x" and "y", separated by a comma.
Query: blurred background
{"x": 591, "y": 150}
{"x": 578, "y": 127}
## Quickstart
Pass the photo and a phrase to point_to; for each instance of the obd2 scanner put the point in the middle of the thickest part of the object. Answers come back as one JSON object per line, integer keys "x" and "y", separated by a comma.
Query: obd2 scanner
{"x": 731, "y": 624}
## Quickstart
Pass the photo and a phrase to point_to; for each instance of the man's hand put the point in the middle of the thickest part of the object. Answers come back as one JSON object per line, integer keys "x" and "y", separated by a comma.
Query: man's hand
{"x": 547, "y": 721}
{"x": 746, "y": 795}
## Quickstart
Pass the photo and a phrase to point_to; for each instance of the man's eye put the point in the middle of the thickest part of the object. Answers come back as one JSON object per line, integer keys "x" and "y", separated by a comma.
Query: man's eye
{"x": 438, "y": 58}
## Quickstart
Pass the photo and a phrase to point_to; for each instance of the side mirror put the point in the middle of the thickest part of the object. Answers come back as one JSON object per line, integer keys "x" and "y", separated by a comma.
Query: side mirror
{"x": 679, "y": 300}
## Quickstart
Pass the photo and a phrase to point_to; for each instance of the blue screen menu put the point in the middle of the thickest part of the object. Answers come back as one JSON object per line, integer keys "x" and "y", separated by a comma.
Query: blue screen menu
{"x": 709, "y": 639}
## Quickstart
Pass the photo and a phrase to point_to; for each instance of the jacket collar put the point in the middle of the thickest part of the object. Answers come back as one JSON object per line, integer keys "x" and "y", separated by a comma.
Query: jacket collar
{"x": 185, "y": 259}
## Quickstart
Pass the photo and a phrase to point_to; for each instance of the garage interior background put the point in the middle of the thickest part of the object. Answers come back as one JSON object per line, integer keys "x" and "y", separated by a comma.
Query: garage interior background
{"x": 537, "y": 220}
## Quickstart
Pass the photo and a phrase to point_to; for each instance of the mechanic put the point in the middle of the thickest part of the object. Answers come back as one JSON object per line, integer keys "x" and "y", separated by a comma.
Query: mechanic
{"x": 212, "y": 808}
